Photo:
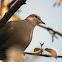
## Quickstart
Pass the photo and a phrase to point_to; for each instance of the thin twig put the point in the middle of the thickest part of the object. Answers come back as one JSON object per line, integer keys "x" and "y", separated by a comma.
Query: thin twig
{"x": 36, "y": 54}
{"x": 48, "y": 28}
{"x": 11, "y": 3}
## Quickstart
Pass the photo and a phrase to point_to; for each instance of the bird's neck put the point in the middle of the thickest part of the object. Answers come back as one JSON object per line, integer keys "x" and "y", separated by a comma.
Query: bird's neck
{"x": 31, "y": 21}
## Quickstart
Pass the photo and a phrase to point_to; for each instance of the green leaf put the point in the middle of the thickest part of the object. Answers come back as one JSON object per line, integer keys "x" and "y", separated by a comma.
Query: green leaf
{"x": 36, "y": 49}
{"x": 52, "y": 38}
{"x": 52, "y": 52}
{"x": 53, "y": 35}
{"x": 59, "y": 4}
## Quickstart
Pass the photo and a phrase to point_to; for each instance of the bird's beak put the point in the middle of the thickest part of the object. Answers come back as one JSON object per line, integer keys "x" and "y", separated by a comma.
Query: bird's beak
{"x": 42, "y": 22}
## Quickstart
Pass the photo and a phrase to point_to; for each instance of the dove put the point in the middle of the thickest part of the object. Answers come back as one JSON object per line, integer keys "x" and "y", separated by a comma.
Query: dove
{"x": 18, "y": 33}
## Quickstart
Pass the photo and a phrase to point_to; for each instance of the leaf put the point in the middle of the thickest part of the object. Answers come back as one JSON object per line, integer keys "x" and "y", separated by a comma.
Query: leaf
{"x": 59, "y": 4}
{"x": 36, "y": 49}
{"x": 16, "y": 18}
{"x": 52, "y": 52}
{"x": 52, "y": 38}
{"x": 53, "y": 35}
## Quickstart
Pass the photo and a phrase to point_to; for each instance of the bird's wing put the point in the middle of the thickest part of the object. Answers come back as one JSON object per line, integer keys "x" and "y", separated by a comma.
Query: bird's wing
{"x": 4, "y": 33}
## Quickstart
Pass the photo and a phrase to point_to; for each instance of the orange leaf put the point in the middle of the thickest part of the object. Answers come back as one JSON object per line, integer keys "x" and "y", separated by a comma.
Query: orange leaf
{"x": 16, "y": 18}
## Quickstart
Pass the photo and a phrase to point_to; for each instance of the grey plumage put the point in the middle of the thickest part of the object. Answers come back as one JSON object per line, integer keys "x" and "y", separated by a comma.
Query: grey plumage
{"x": 18, "y": 33}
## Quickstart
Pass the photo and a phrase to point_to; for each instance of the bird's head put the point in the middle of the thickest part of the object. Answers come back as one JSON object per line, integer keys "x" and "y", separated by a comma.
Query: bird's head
{"x": 34, "y": 19}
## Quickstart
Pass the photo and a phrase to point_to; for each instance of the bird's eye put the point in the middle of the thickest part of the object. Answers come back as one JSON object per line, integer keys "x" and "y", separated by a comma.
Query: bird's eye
{"x": 36, "y": 16}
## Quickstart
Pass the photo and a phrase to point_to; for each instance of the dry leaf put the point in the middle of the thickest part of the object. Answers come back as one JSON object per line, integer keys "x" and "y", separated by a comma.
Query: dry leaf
{"x": 36, "y": 49}
{"x": 52, "y": 52}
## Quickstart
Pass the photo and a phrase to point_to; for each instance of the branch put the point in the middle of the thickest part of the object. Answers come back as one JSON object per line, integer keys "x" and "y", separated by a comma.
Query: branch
{"x": 36, "y": 54}
{"x": 50, "y": 29}
{"x": 11, "y": 3}
{"x": 11, "y": 11}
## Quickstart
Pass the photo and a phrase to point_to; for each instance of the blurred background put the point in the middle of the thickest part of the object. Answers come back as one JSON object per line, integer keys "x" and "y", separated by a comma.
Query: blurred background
{"x": 50, "y": 13}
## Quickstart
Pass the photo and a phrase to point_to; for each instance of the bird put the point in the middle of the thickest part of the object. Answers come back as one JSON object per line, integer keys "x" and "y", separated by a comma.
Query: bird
{"x": 18, "y": 33}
